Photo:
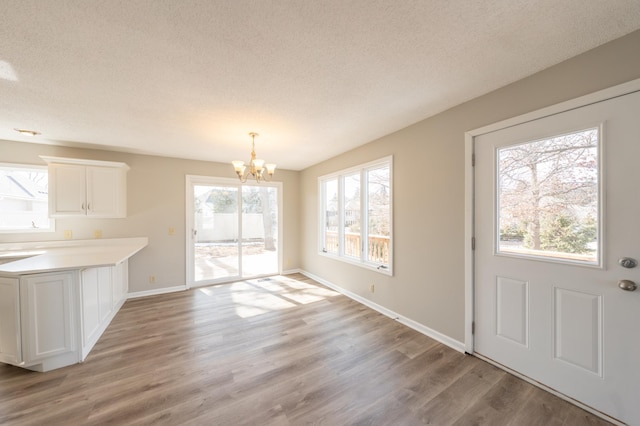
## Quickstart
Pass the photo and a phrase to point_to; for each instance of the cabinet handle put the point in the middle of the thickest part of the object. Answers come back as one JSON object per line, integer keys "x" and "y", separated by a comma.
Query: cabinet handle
{"x": 89, "y": 207}
{"x": 82, "y": 206}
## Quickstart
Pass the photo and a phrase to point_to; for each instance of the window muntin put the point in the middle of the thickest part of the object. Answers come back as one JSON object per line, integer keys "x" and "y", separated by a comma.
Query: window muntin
{"x": 24, "y": 199}
{"x": 548, "y": 195}
{"x": 331, "y": 220}
{"x": 356, "y": 209}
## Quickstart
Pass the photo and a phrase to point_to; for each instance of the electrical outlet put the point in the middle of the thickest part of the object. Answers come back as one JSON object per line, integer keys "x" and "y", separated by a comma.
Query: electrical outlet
{"x": 372, "y": 288}
{"x": 172, "y": 231}
{"x": 68, "y": 234}
{"x": 152, "y": 279}
{"x": 97, "y": 233}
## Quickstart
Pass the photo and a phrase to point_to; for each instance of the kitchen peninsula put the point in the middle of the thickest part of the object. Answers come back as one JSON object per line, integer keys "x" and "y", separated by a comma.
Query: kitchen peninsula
{"x": 58, "y": 297}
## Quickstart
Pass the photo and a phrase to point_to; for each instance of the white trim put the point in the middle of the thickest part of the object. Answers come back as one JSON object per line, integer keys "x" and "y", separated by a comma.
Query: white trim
{"x": 599, "y": 96}
{"x": 469, "y": 233}
{"x": 339, "y": 176}
{"x": 541, "y": 255}
{"x": 156, "y": 291}
{"x": 291, "y": 271}
{"x": 429, "y": 332}
{"x": 192, "y": 180}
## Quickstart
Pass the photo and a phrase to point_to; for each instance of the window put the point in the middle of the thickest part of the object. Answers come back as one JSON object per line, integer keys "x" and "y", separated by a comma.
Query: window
{"x": 356, "y": 208}
{"x": 24, "y": 199}
{"x": 548, "y": 198}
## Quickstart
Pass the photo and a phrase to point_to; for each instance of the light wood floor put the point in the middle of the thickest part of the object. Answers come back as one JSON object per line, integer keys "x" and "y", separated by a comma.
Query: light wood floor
{"x": 282, "y": 351}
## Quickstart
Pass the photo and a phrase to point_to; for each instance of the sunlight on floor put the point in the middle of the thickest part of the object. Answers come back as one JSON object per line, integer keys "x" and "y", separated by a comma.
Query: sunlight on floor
{"x": 260, "y": 296}
{"x": 251, "y": 301}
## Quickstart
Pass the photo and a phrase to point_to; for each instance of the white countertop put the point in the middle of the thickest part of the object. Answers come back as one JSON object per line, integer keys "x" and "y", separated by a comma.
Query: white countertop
{"x": 61, "y": 255}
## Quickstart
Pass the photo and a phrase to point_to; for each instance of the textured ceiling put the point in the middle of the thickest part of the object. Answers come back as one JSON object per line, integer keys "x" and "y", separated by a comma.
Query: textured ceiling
{"x": 190, "y": 79}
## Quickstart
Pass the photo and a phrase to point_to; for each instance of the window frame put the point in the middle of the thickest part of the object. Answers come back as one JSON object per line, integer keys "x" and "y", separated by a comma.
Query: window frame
{"x": 52, "y": 221}
{"x": 541, "y": 256}
{"x": 362, "y": 170}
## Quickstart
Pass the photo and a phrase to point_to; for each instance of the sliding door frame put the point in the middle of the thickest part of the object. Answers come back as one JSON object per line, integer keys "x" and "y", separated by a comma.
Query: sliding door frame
{"x": 190, "y": 182}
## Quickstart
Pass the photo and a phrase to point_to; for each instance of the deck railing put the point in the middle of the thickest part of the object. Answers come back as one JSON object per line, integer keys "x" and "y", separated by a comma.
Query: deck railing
{"x": 378, "y": 246}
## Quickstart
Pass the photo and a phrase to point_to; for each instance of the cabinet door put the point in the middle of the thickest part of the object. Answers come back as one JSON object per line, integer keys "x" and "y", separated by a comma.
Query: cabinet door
{"x": 10, "y": 335}
{"x": 97, "y": 301}
{"x": 48, "y": 315}
{"x": 105, "y": 289}
{"x": 106, "y": 192}
{"x": 67, "y": 185}
{"x": 120, "y": 282}
{"x": 90, "y": 304}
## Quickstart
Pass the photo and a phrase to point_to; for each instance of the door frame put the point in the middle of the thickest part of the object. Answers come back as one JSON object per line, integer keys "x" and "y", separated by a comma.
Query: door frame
{"x": 190, "y": 181}
{"x": 469, "y": 182}
{"x": 469, "y": 272}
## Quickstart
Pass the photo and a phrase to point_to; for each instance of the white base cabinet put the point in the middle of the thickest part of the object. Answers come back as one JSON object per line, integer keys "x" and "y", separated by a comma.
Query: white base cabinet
{"x": 103, "y": 292}
{"x": 10, "y": 334}
{"x": 51, "y": 320}
{"x": 48, "y": 314}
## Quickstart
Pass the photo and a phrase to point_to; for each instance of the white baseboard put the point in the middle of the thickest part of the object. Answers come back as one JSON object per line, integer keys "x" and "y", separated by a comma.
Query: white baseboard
{"x": 291, "y": 271}
{"x": 435, "y": 335}
{"x": 156, "y": 292}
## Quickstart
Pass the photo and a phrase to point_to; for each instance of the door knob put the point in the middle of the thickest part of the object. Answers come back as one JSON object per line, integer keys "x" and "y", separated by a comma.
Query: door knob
{"x": 627, "y": 285}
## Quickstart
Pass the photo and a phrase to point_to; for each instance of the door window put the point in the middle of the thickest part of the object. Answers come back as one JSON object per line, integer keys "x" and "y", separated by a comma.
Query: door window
{"x": 548, "y": 198}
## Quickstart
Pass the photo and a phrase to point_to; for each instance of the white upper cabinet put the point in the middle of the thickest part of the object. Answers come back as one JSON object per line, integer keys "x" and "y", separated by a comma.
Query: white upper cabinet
{"x": 87, "y": 188}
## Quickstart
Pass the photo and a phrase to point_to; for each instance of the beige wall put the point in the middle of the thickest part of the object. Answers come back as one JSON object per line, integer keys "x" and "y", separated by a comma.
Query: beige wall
{"x": 155, "y": 202}
{"x": 428, "y": 284}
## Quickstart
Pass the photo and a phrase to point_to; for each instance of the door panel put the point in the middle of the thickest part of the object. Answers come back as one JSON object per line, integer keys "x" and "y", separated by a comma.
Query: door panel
{"x": 512, "y": 304}
{"x": 216, "y": 233}
{"x": 577, "y": 329}
{"x": 259, "y": 230}
{"x": 561, "y": 319}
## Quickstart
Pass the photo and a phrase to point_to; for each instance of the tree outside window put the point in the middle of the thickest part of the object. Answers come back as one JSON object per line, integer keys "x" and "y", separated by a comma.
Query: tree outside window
{"x": 548, "y": 197}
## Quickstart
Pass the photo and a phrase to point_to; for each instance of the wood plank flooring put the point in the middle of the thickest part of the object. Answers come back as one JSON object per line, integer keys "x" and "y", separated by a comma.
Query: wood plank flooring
{"x": 280, "y": 351}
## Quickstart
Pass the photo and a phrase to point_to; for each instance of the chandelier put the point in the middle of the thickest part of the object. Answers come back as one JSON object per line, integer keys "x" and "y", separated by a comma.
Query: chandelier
{"x": 256, "y": 166}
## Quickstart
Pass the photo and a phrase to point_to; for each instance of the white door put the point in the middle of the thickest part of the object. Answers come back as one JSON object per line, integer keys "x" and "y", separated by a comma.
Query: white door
{"x": 557, "y": 206}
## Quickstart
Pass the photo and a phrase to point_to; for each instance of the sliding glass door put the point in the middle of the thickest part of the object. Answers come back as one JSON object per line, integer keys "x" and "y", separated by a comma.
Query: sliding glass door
{"x": 233, "y": 230}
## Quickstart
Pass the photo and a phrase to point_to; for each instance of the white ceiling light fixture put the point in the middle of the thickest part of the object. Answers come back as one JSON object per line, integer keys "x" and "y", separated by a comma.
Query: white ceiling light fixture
{"x": 256, "y": 166}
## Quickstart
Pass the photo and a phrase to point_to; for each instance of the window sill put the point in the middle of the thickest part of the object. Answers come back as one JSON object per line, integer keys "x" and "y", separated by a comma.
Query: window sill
{"x": 370, "y": 266}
